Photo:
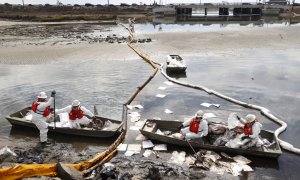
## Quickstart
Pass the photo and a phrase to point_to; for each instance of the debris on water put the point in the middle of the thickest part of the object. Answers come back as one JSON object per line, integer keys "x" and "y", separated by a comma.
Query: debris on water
{"x": 138, "y": 106}
{"x": 139, "y": 124}
{"x": 167, "y": 111}
{"x": 134, "y": 114}
{"x": 168, "y": 83}
{"x": 209, "y": 104}
{"x": 122, "y": 147}
{"x": 129, "y": 106}
{"x": 147, "y": 144}
{"x": 141, "y": 137}
{"x": 160, "y": 147}
{"x": 162, "y": 88}
{"x": 178, "y": 157}
{"x": 135, "y": 118}
{"x": 147, "y": 153}
{"x": 160, "y": 95}
{"x": 241, "y": 159}
{"x": 130, "y": 153}
{"x": 134, "y": 147}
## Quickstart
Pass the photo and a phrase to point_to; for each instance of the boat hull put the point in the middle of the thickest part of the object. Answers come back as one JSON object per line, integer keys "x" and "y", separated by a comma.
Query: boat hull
{"x": 172, "y": 126}
{"x": 16, "y": 119}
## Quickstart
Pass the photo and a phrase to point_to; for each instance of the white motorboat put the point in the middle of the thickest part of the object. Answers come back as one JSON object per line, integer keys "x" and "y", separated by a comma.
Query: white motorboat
{"x": 175, "y": 64}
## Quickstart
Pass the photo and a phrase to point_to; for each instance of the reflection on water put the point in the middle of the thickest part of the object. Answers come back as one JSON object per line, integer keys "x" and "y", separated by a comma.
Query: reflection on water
{"x": 213, "y": 23}
{"x": 176, "y": 75}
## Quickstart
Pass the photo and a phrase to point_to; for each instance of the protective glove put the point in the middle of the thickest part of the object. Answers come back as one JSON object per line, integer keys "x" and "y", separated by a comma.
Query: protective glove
{"x": 53, "y": 93}
{"x": 180, "y": 127}
{"x": 245, "y": 137}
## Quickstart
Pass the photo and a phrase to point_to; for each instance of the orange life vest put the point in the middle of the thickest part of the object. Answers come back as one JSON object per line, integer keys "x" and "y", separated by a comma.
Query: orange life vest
{"x": 194, "y": 126}
{"x": 248, "y": 128}
{"x": 34, "y": 108}
{"x": 75, "y": 114}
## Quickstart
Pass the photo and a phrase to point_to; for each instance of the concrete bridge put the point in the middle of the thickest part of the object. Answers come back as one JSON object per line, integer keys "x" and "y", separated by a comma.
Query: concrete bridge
{"x": 223, "y": 9}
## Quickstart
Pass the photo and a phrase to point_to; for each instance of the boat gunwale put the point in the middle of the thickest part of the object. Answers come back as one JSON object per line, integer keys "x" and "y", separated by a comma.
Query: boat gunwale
{"x": 17, "y": 121}
{"x": 169, "y": 140}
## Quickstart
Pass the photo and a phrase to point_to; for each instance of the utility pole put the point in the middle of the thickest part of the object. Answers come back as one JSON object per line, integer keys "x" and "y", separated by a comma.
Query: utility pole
{"x": 293, "y": 5}
{"x": 107, "y": 2}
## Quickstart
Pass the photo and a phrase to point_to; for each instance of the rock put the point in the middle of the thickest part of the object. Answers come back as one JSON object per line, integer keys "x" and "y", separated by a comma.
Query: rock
{"x": 109, "y": 172}
{"x": 6, "y": 154}
{"x": 68, "y": 172}
{"x": 154, "y": 173}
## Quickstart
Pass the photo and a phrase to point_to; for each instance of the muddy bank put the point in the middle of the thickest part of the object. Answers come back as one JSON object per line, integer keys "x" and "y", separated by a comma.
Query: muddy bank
{"x": 88, "y": 11}
{"x": 36, "y": 43}
{"x": 144, "y": 168}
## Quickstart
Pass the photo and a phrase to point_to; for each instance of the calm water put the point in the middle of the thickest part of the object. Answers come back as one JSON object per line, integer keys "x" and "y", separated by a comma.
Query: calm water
{"x": 262, "y": 77}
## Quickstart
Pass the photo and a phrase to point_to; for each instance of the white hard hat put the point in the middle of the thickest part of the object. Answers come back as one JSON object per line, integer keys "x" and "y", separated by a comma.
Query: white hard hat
{"x": 250, "y": 118}
{"x": 75, "y": 103}
{"x": 42, "y": 95}
{"x": 199, "y": 114}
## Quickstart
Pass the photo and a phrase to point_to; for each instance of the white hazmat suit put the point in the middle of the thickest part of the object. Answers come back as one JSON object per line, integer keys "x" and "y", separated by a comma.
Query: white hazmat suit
{"x": 202, "y": 130}
{"x": 76, "y": 123}
{"x": 40, "y": 121}
{"x": 253, "y": 138}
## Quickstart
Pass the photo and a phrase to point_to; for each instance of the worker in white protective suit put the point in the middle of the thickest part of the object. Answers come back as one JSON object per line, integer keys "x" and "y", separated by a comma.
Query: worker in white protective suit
{"x": 78, "y": 115}
{"x": 197, "y": 127}
{"x": 41, "y": 114}
{"x": 251, "y": 132}
{"x": 131, "y": 24}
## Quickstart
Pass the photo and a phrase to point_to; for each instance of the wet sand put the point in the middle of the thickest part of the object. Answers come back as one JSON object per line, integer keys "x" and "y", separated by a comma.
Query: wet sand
{"x": 223, "y": 43}
{"x": 218, "y": 43}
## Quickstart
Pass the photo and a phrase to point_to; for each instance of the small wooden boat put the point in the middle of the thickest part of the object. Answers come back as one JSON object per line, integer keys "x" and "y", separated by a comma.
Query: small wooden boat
{"x": 175, "y": 64}
{"x": 151, "y": 126}
{"x": 18, "y": 119}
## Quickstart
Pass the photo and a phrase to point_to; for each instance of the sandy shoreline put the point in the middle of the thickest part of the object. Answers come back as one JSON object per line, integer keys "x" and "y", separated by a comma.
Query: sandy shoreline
{"x": 223, "y": 43}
